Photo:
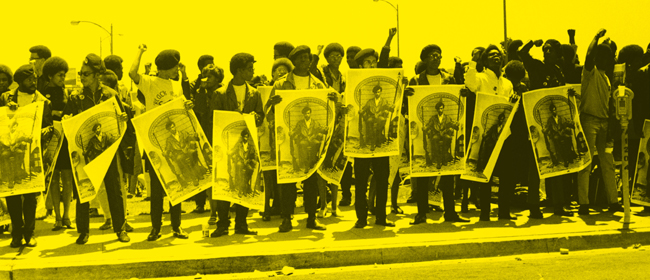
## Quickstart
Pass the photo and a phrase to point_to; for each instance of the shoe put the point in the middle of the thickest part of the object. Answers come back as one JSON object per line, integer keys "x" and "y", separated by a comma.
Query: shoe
{"x": 83, "y": 238}
{"x": 180, "y": 233}
{"x": 315, "y": 224}
{"x": 199, "y": 210}
{"x": 16, "y": 243}
{"x": 396, "y": 210}
{"x": 563, "y": 213}
{"x": 154, "y": 235}
{"x": 344, "y": 202}
{"x": 220, "y": 231}
{"x": 286, "y": 225}
{"x": 58, "y": 225}
{"x": 127, "y": 227}
{"x": 535, "y": 213}
{"x": 266, "y": 218}
{"x": 360, "y": 224}
{"x": 212, "y": 221}
{"x": 435, "y": 208}
{"x": 508, "y": 217}
{"x": 419, "y": 219}
{"x": 411, "y": 199}
{"x": 485, "y": 219}
{"x": 31, "y": 243}
{"x": 123, "y": 237}
{"x": 616, "y": 207}
{"x": 66, "y": 223}
{"x": 322, "y": 213}
{"x": 94, "y": 213}
{"x": 335, "y": 214}
{"x": 583, "y": 210}
{"x": 385, "y": 223}
{"x": 108, "y": 224}
{"x": 245, "y": 231}
{"x": 464, "y": 208}
{"x": 457, "y": 219}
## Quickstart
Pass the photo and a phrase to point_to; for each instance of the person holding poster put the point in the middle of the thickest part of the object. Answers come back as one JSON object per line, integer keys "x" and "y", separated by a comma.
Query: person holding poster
{"x": 438, "y": 128}
{"x": 299, "y": 78}
{"x": 22, "y": 208}
{"x": 157, "y": 91}
{"x": 238, "y": 96}
{"x": 93, "y": 93}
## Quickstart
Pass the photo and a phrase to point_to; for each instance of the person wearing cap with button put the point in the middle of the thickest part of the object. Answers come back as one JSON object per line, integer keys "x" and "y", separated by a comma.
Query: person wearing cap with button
{"x": 22, "y": 208}
{"x": 195, "y": 85}
{"x": 157, "y": 91}
{"x": 54, "y": 70}
{"x": 93, "y": 93}
{"x": 238, "y": 96}
{"x": 299, "y": 78}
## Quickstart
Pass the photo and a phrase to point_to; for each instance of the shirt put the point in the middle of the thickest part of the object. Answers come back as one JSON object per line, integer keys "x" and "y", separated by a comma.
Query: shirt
{"x": 240, "y": 92}
{"x": 595, "y": 93}
{"x": 434, "y": 80}
{"x": 25, "y": 99}
{"x": 301, "y": 82}
{"x": 159, "y": 91}
{"x": 487, "y": 82}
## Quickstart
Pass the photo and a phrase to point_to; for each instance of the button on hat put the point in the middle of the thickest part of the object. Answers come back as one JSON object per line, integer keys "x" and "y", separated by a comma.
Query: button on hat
{"x": 365, "y": 53}
{"x": 298, "y": 51}
{"x": 426, "y": 51}
{"x": 95, "y": 62}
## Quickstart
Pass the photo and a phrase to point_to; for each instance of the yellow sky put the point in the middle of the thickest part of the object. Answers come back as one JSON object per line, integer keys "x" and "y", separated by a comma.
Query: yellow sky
{"x": 223, "y": 28}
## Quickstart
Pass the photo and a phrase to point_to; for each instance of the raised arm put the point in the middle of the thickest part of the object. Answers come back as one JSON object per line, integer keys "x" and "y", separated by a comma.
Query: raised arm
{"x": 589, "y": 60}
{"x": 133, "y": 72}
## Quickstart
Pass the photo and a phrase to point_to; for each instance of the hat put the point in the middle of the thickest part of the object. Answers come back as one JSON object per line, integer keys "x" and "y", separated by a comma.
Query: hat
{"x": 363, "y": 54}
{"x": 428, "y": 50}
{"x": 333, "y": 47}
{"x": 23, "y": 73}
{"x": 95, "y": 62}
{"x": 352, "y": 51}
{"x": 283, "y": 48}
{"x": 167, "y": 59}
{"x": 113, "y": 62}
{"x": 298, "y": 51}
{"x": 282, "y": 61}
{"x": 205, "y": 60}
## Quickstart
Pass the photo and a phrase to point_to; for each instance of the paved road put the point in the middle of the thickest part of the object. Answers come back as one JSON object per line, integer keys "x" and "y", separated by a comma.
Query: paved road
{"x": 617, "y": 263}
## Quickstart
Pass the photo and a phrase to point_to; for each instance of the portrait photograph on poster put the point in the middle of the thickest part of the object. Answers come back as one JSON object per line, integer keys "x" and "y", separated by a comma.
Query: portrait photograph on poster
{"x": 93, "y": 137}
{"x": 437, "y": 130}
{"x": 236, "y": 162}
{"x": 555, "y": 132}
{"x": 375, "y": 98}
{"x": 304, "y": 122}
{"x": 178, "y": 149}
{"x": 640, "y": 191}
{"x": 492, "y": 118}
{"x": 21, "y": 161}
{"x": 266, "y": 134}
{"x": 52, "y": 145}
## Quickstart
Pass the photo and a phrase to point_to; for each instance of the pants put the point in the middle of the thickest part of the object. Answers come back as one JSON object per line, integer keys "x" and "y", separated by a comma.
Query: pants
{"x": 223, "y": 207}
{"x": 157, "y": 198}
{"x": 381, "y": 170}
{"x": 271, "y": 190}
{"x": 595, "y": 130}
{"x": 23, "y": 215}
{"x": 506, "y": 192}
{"x": 346, "y": 183}
{"x": 310, "y": 196}
{"x": 446, "y": 185}
{"x": 115, "y": 202}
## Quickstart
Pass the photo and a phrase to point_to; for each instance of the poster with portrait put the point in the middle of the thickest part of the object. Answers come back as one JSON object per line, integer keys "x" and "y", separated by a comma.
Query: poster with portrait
{"x": 304, "y": 121}
{"x": 492, "y": 118}
{"x": 52, "y": 142}
{"x": 555, "y": 132}
{"x": 640, "y": 191}
{"x": 375, "y": 98}
{"x": 93, "y": 137}
{"x": 266, "y": 134}
{"x": 236, "y": 161}
{"x": 335, "y": 160}
{"x": 177, "y": 148}
{"x": 437, "y": 129}
{"x": 21, "y": 163}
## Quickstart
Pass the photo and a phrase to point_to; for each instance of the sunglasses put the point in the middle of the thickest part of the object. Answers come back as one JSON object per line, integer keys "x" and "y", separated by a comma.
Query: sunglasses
{"x": 85, "y": 74}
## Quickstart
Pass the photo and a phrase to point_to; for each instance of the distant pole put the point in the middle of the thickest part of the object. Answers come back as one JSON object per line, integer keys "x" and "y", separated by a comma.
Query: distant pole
{"x": 505, "y": 26}
{"x": 112, "y": 37}
{"x": 398, "y": 31}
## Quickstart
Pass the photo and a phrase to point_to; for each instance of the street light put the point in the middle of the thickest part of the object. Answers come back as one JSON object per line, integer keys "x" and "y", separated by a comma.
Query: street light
{"x": 76, "y": 22}
{"x": 396, "y": 7}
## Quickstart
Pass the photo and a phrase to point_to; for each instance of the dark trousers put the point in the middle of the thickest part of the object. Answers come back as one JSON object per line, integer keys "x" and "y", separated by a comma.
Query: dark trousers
{"x": 555, "y": 186}
{"x": 446, "y": 186}
{"x": 200, "y": 198}
{"x": 115, "y": 202}
{"x": 23, "y": 215}
{"x": 310, "y": 197}
{"x": 271, "y": 190}
{"x": 506, "y": 192}
{"x": 394, "y": 190}
{"x": 346, "y": 182}
{"x": 157, "y": 198}
{"x": 223, "y": 207}
{"x": 380, "y": 167}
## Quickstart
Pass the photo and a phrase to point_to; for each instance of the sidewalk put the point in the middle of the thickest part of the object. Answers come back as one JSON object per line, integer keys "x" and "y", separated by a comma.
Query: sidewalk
{"x": 57, "y": 256}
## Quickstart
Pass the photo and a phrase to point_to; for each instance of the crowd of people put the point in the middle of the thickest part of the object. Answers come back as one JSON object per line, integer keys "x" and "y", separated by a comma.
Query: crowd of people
{"x": 507, "y": 70}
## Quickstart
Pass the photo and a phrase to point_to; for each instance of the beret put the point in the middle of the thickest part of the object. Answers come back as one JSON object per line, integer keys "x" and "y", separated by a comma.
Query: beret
{"x": 333, "y": 47}
{"x": 428, "y": 50}
{"x": 167, "y": 59}
{"x": 299, "y": 50}
{"x": 23, "y": 73}
{"x": 95, "y": 62}
{"x": 363, "y": 54}
{"x": 204, "y": 60}
{"x": 282, "y": 61}
{"x": 113, "y": 62}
